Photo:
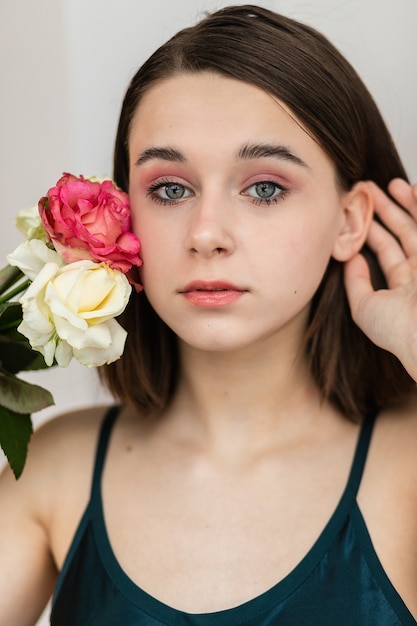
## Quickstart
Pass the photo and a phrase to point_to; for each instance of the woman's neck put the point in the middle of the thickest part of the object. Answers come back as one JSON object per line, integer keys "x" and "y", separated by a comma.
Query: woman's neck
{"x": 243, "y": 399}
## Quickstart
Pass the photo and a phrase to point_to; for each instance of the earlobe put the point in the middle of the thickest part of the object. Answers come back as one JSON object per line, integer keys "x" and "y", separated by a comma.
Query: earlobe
{"x": 358, "y": 210}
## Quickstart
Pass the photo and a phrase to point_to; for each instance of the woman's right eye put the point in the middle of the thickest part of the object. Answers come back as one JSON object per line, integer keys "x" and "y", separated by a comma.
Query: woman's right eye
{"x": 168, "y": 192}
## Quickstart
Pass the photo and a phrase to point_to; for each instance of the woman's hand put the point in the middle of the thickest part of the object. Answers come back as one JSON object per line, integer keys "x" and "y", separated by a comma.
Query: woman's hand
{"x": 389, "y": 316}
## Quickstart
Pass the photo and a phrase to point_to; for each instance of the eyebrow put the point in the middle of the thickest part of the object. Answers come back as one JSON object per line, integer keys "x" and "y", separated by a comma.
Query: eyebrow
{"x": 166, "y": 154}
{"x": 259, "y": 151}
{"x": 246, "y": 153}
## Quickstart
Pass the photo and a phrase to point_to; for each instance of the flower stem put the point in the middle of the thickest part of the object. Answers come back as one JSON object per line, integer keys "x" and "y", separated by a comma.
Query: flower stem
{"x": 9, "y": 276}
{"x": 14, "y": 292}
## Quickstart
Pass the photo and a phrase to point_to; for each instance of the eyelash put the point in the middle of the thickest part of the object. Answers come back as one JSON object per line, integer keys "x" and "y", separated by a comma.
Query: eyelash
{"x": 268, "y": 201}
{"x": 152, "y": 192}
{"x": 153, "y": 189}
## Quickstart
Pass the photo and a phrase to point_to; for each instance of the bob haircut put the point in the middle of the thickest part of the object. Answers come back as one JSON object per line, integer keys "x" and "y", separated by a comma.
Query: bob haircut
{"x": 300, "y": 67}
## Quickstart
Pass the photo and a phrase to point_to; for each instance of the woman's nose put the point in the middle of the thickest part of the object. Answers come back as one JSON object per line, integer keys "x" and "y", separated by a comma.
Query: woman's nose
{"x": 210, "y": 230}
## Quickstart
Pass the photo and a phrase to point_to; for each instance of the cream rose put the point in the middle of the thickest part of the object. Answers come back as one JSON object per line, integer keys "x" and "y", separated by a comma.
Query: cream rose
{"x": 29, "y": 222}
{"x": 31, "y": 256}
{"x": 68, "y": 312}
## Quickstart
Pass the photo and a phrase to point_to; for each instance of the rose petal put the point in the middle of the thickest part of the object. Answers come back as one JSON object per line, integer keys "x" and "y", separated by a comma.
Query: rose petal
{"x": 91, "y": 356}
{"x": 31, "y": 256}
{"x": 92, "y": 217}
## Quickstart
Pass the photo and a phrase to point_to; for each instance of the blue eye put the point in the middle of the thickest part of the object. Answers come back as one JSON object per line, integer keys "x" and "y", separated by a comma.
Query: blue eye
{"x": 168, "y": 192}
{"x": 265, "y": 191}
{"x": 174, "y": 191}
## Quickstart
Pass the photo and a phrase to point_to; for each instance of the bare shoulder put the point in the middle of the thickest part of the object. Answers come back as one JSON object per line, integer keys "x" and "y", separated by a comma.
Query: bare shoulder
{"x": 60, "y": 461}
{"x": 394, "y": 445}
{"x": 388, "y": 494}
{"x": 64, "y": 438}
{"x": 55, "y": 441}
{"x": 54, "y": 488}
{"x": 41, "y": 510}
{"x": 398, "y": 423}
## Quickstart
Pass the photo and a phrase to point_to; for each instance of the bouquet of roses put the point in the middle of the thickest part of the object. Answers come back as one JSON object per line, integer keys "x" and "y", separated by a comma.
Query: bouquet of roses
{"x": 74, "y": 276}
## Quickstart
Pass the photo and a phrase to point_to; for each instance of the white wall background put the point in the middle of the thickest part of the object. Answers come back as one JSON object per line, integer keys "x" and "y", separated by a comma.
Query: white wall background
{"x": 64, "y": 65}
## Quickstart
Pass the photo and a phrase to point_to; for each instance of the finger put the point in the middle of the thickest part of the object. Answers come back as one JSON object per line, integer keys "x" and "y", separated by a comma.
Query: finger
{"x": 357, "y": 283}
{"x": 404, "y": 194}
{"x": 386, "y": 247}
{"x": 399, "y": 221}
{"x": 397, "y": 268}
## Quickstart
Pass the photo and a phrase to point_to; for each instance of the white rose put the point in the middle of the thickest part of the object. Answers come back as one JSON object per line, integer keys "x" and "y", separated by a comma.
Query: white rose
{"x": 31, "y": 256}
{"x": 29, "y": 222}
{"x": 68, "y": 311}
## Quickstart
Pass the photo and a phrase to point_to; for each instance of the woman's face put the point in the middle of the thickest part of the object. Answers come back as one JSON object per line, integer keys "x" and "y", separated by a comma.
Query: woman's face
{"x": 237, "y": 209}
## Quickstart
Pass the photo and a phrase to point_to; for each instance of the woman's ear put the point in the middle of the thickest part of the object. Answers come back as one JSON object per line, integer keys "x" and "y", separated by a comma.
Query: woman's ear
{"x": 358, "y": 210}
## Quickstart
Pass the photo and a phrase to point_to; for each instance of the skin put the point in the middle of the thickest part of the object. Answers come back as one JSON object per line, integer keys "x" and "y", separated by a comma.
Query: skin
{"x": 207, "y": 529}
{"x": 218, "y": 228}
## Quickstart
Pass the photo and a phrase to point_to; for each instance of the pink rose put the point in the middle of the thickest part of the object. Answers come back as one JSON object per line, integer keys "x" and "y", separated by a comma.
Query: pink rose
{"x": 90, "y": 219}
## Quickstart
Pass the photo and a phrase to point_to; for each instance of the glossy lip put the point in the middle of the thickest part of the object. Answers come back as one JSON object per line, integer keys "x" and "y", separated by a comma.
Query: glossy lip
{"x": 212, "y": 293}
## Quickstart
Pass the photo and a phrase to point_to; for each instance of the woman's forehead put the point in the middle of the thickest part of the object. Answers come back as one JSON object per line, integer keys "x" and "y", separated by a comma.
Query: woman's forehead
{"x": 205, "y": 108}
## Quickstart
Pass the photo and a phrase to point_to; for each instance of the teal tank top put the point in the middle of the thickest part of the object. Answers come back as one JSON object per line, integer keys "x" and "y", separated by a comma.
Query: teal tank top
{"x": 340, "y": 582}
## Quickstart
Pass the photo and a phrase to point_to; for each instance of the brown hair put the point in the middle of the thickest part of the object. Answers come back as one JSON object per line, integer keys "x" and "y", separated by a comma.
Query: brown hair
{"x": 303, "y": 69}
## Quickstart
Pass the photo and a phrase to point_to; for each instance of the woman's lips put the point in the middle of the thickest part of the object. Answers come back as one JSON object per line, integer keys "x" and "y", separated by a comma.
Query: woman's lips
{"x": 212, "y": 293}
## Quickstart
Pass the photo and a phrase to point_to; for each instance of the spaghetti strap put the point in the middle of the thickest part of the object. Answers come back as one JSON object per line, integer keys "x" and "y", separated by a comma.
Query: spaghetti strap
{"x": 361, "y": 454}
{"x": 340, "y": 576}
{"x": 102, "y": 444}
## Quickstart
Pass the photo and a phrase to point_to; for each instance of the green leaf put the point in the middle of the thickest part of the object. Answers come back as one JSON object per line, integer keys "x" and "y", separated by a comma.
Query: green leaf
{"x": 38, "y": 363}
{"x": 9, "y": 276}
{"x": 17, "y": 355}
{"x": 10, "y": 315}
{"x": 15, "y": 433}
{"x": 22, "y": 397}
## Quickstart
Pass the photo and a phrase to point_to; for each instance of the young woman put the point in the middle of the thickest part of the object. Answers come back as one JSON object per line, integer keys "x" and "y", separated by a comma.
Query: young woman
{"x": 261, "y": 467}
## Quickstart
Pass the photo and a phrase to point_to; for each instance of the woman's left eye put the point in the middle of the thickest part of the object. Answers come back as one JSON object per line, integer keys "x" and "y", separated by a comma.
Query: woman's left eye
{"x": 168, "y": 192}
{"x": 265, "y": 191}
